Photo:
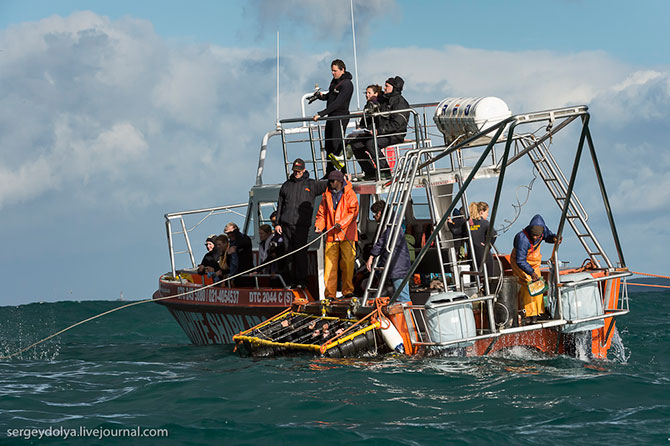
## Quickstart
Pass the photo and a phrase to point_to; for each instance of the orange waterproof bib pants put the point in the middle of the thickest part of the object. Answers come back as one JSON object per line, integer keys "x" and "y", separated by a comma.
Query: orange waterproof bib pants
{"x": 534, "y": 305}
{"x": 345, "y": 253}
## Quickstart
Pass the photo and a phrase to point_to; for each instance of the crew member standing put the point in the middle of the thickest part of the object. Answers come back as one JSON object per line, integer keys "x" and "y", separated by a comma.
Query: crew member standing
{"x": 338, "y": 210}
{"x": 337, "y": 104}
{"x": 295, "y": 208}
{"x": 526, "y": 259}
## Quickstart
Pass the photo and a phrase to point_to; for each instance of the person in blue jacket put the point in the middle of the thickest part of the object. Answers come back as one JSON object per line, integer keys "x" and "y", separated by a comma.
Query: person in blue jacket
{"x": 400, "y": 261}
{"x": 526, "y": 259}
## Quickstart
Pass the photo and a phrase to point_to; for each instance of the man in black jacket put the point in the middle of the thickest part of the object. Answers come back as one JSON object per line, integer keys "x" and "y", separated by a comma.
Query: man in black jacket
{"x": 295, "y": 208}
{"x": 337, "y": 104}
{"x": 392, "y": 129}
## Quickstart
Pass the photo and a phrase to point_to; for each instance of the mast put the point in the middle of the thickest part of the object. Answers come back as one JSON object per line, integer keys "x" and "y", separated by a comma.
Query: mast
{"x": 353, "y": 34}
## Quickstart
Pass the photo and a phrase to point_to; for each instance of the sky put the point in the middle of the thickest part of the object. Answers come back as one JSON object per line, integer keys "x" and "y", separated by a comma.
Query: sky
{"x": 114, "y": 113}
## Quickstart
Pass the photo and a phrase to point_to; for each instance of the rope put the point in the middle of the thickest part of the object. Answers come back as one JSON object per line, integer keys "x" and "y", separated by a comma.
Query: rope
{"x": 648, "y": 284}
{"x": 651, "y": 275}
{"x": 319, "y": 237}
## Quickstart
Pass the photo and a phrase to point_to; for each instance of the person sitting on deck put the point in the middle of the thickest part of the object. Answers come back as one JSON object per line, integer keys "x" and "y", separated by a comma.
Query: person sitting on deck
{"x": 391, "y": 130}
{"x": 526, "y": 259}
{"x": 400, "y": 262}
{"x": 208, "y": 263}
{"x": 338, "y": 211}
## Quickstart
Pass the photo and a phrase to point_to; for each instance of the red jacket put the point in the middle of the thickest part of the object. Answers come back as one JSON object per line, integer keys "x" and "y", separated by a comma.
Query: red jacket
{"x": 346, "y": 215}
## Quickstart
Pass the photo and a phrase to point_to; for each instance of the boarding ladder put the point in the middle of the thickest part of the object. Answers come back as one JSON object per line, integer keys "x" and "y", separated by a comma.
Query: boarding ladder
{"x": 553, "y": 177}
{"x": 399, "y": 195}
{"x": 398, "y": 198}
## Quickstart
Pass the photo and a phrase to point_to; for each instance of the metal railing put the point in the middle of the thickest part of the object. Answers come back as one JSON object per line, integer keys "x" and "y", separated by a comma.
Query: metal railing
{"x": 417, "y": 323}
{"x": 179, "y": 217}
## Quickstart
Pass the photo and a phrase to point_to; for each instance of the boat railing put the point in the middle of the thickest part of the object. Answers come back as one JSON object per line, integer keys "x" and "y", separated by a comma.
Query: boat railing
{"x": 200, "y": 216}
{"x": 302, "y": 137}
{"x": 417, "y": 321}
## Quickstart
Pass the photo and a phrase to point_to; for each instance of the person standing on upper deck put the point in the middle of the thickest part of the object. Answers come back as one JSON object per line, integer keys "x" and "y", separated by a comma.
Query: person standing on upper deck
{"x": 391, "y": 130}
{"x": 338, "y": 211}
{"x": 295, "y": 208}
{"x": 526, "y": 259}
{"x": 337, "y": 104}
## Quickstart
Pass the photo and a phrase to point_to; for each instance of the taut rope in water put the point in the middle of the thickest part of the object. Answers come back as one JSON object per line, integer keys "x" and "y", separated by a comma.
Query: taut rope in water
{"x": 319, "y": 237}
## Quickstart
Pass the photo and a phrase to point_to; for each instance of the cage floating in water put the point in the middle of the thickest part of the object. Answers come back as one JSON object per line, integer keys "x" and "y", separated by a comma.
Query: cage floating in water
{"x": 293, "y": 332}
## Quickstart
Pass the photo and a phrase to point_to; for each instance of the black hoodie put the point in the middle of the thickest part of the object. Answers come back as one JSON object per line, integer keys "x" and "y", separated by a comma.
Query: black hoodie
{"x": 295, "y": 205}
{"x": 338, "y": 96}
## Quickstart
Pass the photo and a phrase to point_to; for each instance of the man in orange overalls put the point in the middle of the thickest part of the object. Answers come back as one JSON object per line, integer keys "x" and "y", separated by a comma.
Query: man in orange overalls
{"x": 526, "y": 259}
{"x": 339, "y": 210}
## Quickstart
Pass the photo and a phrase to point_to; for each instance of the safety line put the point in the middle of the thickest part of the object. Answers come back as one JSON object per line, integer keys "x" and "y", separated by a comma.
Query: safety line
{"x": 651, "y": 275}
{"x": 648, "y": 284}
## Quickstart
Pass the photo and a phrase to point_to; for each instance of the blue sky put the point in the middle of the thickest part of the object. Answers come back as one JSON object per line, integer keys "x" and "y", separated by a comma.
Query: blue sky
{"x": 113, "y": 113}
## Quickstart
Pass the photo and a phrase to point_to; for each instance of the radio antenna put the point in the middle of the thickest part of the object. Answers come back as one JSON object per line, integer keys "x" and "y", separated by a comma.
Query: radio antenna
{"x": 277, "y": 123}
{"x": 353, "y": 34}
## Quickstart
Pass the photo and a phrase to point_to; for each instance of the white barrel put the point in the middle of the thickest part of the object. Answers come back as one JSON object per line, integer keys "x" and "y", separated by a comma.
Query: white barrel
{"x": 468, "y": 116}
{"x": 391, "y": 335}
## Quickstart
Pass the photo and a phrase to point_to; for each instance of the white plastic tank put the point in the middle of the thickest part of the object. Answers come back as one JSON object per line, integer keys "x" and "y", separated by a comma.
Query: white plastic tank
{"x": 468, "y": 116}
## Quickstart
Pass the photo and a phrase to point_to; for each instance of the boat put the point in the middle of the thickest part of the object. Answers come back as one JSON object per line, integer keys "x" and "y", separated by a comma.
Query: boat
{"x": 458, "y": 306}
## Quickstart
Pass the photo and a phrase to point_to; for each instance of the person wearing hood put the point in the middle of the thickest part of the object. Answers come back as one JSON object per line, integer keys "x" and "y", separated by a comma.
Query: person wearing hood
{"x": 337, "y": 104}
{"x": 337, "y": 214}
{"x": 295, "y": 208}
{"x": 391, "y": 130}
{"x": 526, "y": 259}
{"x": 399, "y": 258}
{"x": 209, "y": 261}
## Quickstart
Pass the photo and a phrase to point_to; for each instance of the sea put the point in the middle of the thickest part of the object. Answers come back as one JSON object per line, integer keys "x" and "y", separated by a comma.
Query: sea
{"x": 132, "y": 377}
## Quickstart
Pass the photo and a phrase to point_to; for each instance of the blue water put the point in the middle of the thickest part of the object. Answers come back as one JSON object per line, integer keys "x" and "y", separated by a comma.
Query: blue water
{"x": 136, "y": 368}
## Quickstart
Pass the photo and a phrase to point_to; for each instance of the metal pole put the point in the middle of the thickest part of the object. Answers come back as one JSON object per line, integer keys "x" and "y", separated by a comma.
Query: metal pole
{"x": 168, "y": 228}
{"x": 353, "y": 34}
{"x": 601, "y": 183}
{"x": 188, "y": 241}
{"x": 573, "y": 176}
{"x": 496, "y": 200}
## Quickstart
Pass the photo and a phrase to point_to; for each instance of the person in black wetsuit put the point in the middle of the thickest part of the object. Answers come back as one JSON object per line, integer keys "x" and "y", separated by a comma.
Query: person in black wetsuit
{"x": 337, "y": 104}
{"x": 479, "y": 228}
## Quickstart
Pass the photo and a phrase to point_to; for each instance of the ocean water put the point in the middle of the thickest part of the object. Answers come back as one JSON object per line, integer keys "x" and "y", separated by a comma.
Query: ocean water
{"x": 135, "y": 369}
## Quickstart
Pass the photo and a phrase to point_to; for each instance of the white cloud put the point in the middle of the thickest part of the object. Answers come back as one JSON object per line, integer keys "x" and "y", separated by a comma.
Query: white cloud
{"x": 326, "y": 19}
